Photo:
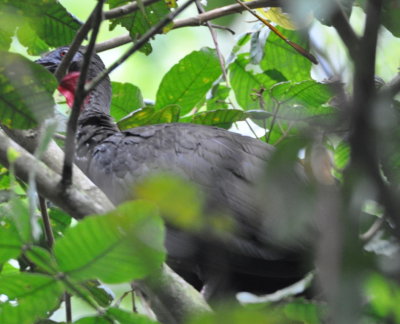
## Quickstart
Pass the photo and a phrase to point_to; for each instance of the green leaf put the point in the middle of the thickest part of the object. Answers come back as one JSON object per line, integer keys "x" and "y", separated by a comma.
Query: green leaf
{"x": 303, "y": 312}
{"x": 125, "y": 317}
{"x": 280, "y": 132}
{"x": 258, "y": 114}
{"x": 60, "y": 221}
{"x": 10, "y": 243}
{"x": 126, "y": 98}
{"x": 140, "y": 21}
{"x": 8, "y": 268}
{"x": 10, "y": 18}
{"x": 247, "y": 86}
{"x": 100, "y": 293}
{"x": 283, "y": 58}
{"x": 28, "y": 37}
{"x": 299, "y": 100}
{"x": 4, "y": 182}
{"x": 342, "y": 155}
{"x": 221, "y": 118}
{"x": 120, "y": 246}
{"x": 42, "y": 258}
{"x": 50, "y": 21}
{"x": 231, "y": 315}
{"x": 93, "y": 320}
{"x": 219, "y": 94}
{"x": 149, "y": 116}
{"x": 391, "y": 16}
{"x": 26, "y": 92}
{"x": 30, "y": 297}
{"x": 16, "y": 212}
{"x": 5, "y": 39}
{"x": 384, "y": 296}
{"x": 243, "y": 39}
{"x": 188, "y": 81}
{"x": 179, "y": 201}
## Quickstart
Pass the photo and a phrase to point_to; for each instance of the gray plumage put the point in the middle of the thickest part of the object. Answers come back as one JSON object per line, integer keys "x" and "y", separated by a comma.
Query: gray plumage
{"x": 225, "y": 165}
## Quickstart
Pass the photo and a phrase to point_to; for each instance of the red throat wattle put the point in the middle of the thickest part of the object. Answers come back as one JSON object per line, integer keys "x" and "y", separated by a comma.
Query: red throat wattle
{"x": 67, "y": 87}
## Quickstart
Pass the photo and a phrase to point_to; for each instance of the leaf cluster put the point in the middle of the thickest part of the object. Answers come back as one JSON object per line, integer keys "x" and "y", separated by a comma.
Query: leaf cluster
{"x": 269, "y": 86}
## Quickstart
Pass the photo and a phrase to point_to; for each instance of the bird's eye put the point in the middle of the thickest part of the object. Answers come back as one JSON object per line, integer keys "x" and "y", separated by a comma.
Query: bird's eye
{"x": 63, "y": 53}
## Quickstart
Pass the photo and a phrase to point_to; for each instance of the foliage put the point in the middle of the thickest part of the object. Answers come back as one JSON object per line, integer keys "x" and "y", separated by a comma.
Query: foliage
{"x": 269, "y": 85}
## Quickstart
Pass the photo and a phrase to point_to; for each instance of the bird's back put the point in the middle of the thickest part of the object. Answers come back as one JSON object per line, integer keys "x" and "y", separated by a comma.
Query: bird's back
{"x": 226, "y": 166}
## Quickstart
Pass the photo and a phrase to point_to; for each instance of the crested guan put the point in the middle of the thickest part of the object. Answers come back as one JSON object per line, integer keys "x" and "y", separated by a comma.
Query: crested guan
{"x": 225, "y": 165}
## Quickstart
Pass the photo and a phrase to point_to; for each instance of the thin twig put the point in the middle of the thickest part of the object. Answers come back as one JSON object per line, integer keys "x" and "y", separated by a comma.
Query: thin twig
{"x": 251, "y": 128}
{"x": 274, "y": 117}
{"x": 222, "y": 28}
{"x": 139, "y": 43}
{"x": 371, "y": 232}
{"x": 215, "y": 41}
{"x": 134, "y": 308}
{"x": 79, "y": 98}
{"x": 118, "y": 302}
{"x": 68, "y": 308}
{"x": 84, "y": 30}
{"x": 295, "y": 46}
{"x": 198, "y": 20}
{"x": 73, "y": 48}
{"x": 46, "y": 222}
{"x": 60, "y": 137}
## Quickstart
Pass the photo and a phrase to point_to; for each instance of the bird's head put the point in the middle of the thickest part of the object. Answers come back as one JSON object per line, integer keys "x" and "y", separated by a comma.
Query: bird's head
{"x": 100, "y": 97}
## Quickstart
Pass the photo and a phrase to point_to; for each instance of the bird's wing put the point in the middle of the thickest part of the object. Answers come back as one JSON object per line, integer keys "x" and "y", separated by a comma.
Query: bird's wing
{"x": 225, "y": 165}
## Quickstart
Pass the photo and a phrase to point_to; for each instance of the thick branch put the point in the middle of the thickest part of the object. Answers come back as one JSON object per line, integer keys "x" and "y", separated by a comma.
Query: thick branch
{"x": 174, "y": 302}
{"x": 53, "y": 157}
{"x": 74, "y": 201}
{"x": 346, "y": 32}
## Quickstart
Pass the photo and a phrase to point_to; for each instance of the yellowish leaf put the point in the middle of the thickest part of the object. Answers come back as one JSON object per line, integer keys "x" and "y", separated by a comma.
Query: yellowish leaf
{"x": 277, "y": 16}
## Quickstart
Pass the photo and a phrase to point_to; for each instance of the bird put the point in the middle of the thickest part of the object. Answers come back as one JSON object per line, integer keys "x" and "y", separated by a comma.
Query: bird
{"x": 224, "y": 165}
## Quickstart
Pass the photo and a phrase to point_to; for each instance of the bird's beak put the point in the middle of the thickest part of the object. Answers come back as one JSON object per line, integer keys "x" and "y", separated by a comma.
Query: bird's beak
{"x": 49, "y": 63}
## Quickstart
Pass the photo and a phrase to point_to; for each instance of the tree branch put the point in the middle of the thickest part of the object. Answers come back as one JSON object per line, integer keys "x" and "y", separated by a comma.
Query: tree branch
{"x": 198, "y": 20}
{"x": 80, "y": 95}
{"x": 345, "y": 31}
{"x": 363, "y": 141}
{"x": 74, "y": 201}
{"x": 53, "y": 158}
{"x": 138, "y": 44}
{"x": 126, "y": 9}
{"x": 162, "y": 288}
{"x": 174, "y": 302}
{"x": 46, "y": 222}
{"x": 224, "y": 11}
{"x": 73, "y": 47}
